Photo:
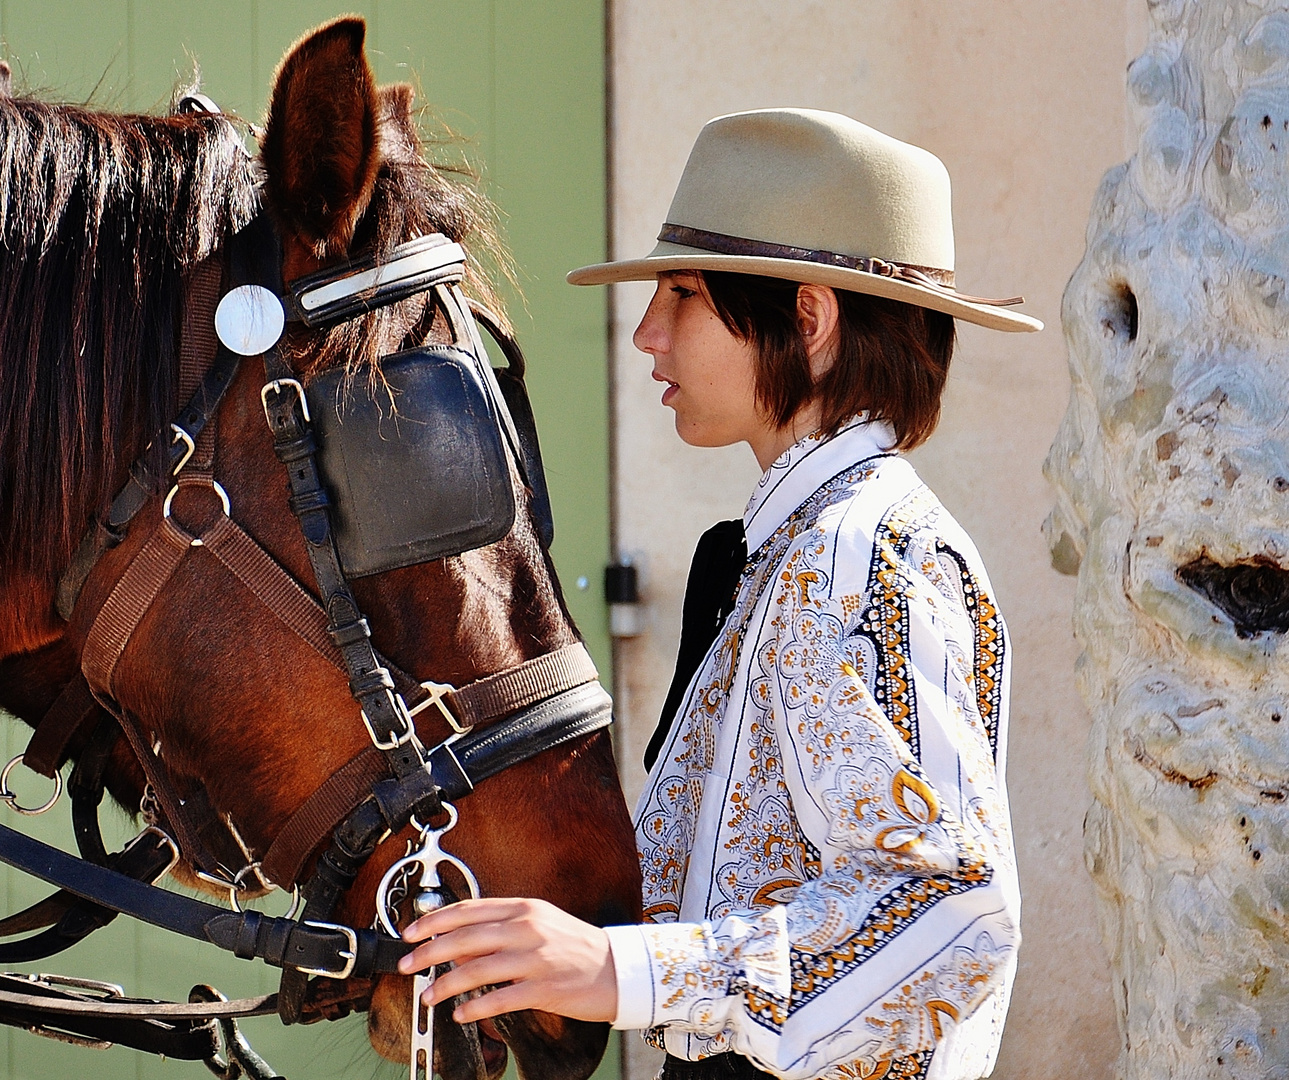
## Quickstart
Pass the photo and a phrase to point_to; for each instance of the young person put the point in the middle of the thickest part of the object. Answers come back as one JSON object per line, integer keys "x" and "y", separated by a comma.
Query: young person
{"x": 824, "y": 837}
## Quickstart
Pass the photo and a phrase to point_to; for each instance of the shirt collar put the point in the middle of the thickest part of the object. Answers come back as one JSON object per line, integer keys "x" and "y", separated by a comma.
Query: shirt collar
{"x": 805, "y": 467}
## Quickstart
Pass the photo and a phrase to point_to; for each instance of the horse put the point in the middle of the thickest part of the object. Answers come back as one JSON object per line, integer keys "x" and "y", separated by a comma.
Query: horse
{"x": 105, "y": 222}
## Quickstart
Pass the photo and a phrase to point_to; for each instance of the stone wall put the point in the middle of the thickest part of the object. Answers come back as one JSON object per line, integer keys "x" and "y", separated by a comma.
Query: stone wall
{"x": 1025, "y": 104}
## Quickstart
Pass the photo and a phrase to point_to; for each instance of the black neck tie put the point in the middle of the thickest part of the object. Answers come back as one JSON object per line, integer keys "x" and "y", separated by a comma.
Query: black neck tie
{"x": 718, "y": 562}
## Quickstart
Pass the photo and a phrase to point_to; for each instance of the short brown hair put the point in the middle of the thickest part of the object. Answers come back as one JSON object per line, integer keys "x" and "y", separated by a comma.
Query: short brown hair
{"x": 892, "y": 358}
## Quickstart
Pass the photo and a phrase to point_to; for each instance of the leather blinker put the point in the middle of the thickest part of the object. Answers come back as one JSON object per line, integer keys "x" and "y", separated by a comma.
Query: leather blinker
{"x": 415, "y": 465}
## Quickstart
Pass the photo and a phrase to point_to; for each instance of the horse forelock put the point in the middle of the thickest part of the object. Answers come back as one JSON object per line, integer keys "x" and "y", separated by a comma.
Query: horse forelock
{"x": 100, "y": 215}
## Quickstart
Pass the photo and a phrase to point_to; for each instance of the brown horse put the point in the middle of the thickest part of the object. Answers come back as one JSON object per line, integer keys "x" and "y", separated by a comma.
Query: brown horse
{"x": 102, "y": 217}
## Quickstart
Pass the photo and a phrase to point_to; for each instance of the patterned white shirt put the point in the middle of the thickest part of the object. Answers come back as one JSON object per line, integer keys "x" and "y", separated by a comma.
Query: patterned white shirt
{"x": 827, "y": 854}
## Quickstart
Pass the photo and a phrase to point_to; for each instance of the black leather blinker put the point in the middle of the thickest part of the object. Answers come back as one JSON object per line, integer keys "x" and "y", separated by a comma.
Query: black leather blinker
{"x": 416, "y": 469}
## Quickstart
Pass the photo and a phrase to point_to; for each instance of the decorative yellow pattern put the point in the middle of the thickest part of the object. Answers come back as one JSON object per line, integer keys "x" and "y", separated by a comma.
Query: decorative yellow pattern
{"x": 824, "y": 839}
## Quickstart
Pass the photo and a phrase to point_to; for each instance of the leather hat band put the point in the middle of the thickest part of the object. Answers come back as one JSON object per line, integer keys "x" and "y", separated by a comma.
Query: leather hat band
{"x": 930, "y": 277}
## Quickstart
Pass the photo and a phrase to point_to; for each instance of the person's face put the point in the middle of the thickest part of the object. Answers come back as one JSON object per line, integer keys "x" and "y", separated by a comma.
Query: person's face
{"x": 707, "y": 370}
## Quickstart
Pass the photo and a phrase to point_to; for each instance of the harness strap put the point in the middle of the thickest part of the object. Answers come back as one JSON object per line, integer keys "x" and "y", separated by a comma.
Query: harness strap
{"x": 546, "y": 725}
{"x": 198, "y": 347}
{"x": 74, "y": 707}
{"x": 129, "y": 601}
{"x": 370, "y": 682}
{"x": 143, "y": 483}
{"x": 110, "y": 633}
{"x": 320, "y": 948}
{"x": 136, "y": 1007}
{"x": 96, "y": 1013}
{"x": 85, "y": 787}
{"x": 71, "y": 919}
{"x": 320, "y": 813}
{"x": 495, "y": 696}
{"x": 48, "y": 1007}
{"x": 276, "y": 589}
{"x": 455, "y": 767}
{"x": 186, "y": 831}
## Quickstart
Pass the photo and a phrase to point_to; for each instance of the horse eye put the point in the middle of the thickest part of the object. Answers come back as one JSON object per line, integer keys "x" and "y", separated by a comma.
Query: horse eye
{"x": 1253, "y": 595}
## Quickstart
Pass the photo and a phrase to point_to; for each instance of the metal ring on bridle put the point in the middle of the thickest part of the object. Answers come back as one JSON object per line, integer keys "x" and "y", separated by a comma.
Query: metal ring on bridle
{"x": 8, "y": 796}
{"x": 448, "y": 809}
{"x": 235, "y": 887}
{"x": 215, "y": 486}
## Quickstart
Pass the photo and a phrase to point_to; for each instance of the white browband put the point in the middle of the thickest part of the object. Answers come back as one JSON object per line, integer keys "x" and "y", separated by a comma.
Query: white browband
{"x": 398, "y": 269}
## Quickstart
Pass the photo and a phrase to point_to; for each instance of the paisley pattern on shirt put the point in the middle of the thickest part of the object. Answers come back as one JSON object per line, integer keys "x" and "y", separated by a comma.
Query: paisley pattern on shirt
{"x": 988, "y": 639}
{"x": 824, "y": 838}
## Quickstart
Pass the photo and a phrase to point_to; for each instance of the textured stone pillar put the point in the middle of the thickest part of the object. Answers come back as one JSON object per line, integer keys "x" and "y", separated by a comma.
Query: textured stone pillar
{"x": 1172, "y": 470}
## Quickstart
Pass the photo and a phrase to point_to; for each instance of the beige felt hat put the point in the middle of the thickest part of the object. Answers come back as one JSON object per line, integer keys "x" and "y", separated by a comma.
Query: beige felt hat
{"x": 815, "y": 197}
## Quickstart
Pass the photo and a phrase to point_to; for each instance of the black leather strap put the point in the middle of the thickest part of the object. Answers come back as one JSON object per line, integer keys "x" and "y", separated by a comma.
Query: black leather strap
{"x": 349, "y": 305}
{"x": 335, "y": 950}
{"x": 553, "y": 722}
{"x": 146, "y": 860}
{"x": 370, "y": 681}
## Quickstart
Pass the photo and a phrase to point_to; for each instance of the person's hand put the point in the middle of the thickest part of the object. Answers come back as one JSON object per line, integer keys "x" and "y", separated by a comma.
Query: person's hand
{"x": 551, "y": 960}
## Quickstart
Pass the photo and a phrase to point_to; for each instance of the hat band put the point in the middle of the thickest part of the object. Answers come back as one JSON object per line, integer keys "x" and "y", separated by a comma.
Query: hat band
{"x": 930, "y": 277}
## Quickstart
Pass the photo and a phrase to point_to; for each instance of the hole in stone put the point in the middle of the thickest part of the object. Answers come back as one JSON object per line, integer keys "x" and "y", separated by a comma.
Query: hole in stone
{"x": 1254, "y": 595}
{"x": 1276, "y": 718}
{"x": 1119, "y": 312}
{"x": 1266, "y": 122}
{"x": 1280, "y": 484}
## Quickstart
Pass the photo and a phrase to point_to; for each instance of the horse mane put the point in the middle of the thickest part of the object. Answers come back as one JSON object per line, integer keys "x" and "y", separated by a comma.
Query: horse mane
{"x": 101, "y": 215}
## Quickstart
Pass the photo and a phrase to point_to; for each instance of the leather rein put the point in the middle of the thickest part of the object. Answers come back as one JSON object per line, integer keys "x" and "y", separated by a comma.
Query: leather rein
{"x": 497, "y": 721}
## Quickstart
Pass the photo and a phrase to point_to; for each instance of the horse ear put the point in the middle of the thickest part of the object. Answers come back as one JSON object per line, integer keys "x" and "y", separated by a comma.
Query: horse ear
{"x": 6, "y": 79}
{"x": 321, "y": 146}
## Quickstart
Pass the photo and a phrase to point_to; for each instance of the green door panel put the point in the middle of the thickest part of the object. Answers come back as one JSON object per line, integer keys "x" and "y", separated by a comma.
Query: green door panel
{"x": 522, "y": 85}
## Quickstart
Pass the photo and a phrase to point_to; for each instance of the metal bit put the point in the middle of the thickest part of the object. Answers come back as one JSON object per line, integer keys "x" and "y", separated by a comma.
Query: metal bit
{"x": 421, "y": 1062}
{"x": 429, "y": 856}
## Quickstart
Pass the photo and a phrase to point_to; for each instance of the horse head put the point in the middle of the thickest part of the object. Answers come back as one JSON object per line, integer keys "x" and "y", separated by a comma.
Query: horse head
{"x": 110, "y": 225}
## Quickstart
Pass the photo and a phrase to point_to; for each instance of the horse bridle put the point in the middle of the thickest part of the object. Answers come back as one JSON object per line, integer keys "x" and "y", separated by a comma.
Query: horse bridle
{"x": 497, "y": 722}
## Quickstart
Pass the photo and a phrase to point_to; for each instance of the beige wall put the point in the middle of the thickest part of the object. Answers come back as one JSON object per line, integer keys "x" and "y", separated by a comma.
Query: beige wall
{"x": 1024, "y": 101}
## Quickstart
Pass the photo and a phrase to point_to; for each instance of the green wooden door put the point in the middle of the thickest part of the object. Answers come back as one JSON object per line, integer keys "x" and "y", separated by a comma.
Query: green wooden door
{"x": 523, "y": 84}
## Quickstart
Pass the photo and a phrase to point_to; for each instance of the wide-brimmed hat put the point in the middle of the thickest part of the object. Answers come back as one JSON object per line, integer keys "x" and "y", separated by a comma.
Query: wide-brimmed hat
{"x": 815, "y": 197}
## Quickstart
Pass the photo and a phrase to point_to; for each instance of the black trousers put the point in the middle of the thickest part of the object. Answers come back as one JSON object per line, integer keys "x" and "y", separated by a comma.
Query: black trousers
{"x": 729, "y": 1066}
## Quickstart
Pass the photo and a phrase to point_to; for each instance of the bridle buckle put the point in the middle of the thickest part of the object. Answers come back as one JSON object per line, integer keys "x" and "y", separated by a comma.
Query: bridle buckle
{"x": 438, "y": 693}
{"x": 275, "y": 386}
{"x": 349, "y": 955}
{"x": 396, "y": 738}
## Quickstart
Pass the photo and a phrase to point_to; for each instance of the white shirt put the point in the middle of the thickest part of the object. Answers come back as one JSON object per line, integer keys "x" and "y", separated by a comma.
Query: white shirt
{"x": 825, "y": 841}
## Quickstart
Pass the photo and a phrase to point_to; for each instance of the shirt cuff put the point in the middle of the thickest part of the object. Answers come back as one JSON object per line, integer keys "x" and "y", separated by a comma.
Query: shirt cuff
{"x": 634, "y": 976}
